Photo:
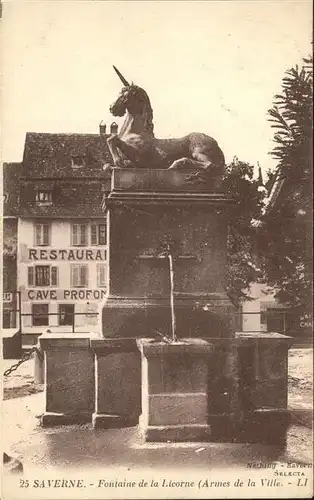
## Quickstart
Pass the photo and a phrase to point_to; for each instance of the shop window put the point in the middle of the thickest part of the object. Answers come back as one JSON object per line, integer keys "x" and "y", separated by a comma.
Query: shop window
{"x": 79, "y": 234}
{"x": 101, "y": 275}
{"x": 98, "y": 234}
{"x": 66, "y": 314}
{"x": 42, "y": 276}
{"x": 79, "y": 275}
{"x": 42, "y": 234}
{"x": 43, "y": 197}
{"x": 40, "y": 314}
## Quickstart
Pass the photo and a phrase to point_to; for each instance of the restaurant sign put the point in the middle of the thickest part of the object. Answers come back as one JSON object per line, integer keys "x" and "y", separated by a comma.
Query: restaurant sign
{"x": 76, "y": 254}
{"x": 63, "y": 295}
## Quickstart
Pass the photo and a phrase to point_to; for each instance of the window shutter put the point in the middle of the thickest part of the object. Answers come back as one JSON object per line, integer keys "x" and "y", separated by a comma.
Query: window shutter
{"x": 83, "y": 234}
{"x": 46, "y": 275}
{"x": 54, "y": 276}
{"x": 94, "y": 234}
{"x": 101, "y": 275}
{"x": 102, "y": 234}
{"x": 74, "y": 234}
{"x": 45, "y": 234}
{"x": 30, "y": 276}
{"x": 75, "y": 275}
{"x": 83, "y": 275}
{"x": 37, "y": 234}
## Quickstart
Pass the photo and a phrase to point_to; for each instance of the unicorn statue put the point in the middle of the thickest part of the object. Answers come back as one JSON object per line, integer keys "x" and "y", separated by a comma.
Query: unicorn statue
{"x": 135, "y": 146}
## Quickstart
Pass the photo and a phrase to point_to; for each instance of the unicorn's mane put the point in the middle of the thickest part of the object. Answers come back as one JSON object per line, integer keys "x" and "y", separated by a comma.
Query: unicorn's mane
{"x": 149, "y": 124}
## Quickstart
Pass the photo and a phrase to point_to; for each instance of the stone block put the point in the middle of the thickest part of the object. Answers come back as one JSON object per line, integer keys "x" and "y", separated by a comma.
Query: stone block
{"x": 118, "y": 383}
{"x": 178, "y": 409}
{"x": 263, "y": 371}
{"x": 177, "y": 373}
{"x": 174, "y": 390}
{"x": 153, "y": 180}
{"x": 11, "y": 343}
{"x": 270, "y": 393}
{"x": 177, "y": 433}
{"x": 69, "y": 376}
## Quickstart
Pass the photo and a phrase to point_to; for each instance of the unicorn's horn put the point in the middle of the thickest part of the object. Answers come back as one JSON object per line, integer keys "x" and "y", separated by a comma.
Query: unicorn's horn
{"x": 123, "y": 80}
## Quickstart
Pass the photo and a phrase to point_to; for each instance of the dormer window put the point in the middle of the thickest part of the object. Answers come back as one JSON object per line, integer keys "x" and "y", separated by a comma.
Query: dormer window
{"x": 43, "y": 197}
{"x": 77, "y": 162}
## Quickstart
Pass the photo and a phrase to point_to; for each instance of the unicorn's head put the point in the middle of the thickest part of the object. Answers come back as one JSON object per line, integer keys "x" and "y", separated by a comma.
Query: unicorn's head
{"x": 133, "y": 99}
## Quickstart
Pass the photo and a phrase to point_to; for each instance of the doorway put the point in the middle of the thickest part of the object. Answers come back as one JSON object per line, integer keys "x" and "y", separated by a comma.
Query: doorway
{"x": 66, "y": 314}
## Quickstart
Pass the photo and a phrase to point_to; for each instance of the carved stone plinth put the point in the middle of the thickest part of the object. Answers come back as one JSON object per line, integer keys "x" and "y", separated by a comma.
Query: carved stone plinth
{"x": 117, "y": 383}
{"x": 69, "y": 378}
{"x": 145, "y": 208}
{"x": 223, "y": 390}
{"x": 174, "y": 390}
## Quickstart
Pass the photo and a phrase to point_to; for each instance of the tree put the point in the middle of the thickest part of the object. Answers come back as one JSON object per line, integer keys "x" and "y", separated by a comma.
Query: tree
{"x": 239, "y": 183}
{"x": 285, "y": 236}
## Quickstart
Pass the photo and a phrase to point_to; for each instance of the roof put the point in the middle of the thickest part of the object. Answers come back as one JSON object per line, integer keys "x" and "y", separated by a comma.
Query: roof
{"x": 11, "y": 174}
{"x": 70, "y": 198}
{"x": 55, "y": 155}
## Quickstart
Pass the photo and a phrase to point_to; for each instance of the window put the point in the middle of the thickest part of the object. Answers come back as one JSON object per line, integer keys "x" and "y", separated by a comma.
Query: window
{"x": 40, "y": 314}
{"x": 44, "y": 197}
{"x": 79, "y": 276}
{"x": 66, "y": 314}
{"x": 42, "y": 276}
{"x": 42, "y": 234}
{"x": 79, "y": 234}
{"x": 78, "y": 161}
{"x": 101, "y": 275}
{"x": 98, "y": 234}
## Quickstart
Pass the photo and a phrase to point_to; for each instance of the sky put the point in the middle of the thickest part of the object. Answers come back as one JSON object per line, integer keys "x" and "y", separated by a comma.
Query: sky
{"x": 209, "y": 66}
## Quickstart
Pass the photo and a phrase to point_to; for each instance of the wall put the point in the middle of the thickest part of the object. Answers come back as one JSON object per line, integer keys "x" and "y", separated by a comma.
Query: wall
{"x": 9, "y": 278}
{"x": 61, "y": 254}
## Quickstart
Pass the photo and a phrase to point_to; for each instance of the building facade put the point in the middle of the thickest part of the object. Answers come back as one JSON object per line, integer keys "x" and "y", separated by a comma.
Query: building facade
{"x": 10, "y": 299}
{"x": 61, "y": 258}
{"x": 62, "y": 272}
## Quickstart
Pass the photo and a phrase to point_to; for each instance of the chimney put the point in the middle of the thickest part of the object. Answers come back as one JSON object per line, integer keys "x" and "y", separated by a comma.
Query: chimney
{"x": 102, "y": 128}
{"x": 114, "y": 128}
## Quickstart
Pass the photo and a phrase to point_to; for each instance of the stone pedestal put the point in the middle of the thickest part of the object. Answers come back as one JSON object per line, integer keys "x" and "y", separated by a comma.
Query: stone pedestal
{"x": 223, "y": 390}
{"x": 117, "y": 383}
{"x": 145, "y": 207}
{"x": 11, "y": 343}
{"x": 69, "y": 376}
{"x": 263, "y": 375}
{"x": 174, "y": 390}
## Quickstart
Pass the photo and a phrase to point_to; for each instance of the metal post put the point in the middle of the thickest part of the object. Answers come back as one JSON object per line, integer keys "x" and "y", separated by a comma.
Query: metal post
{"x": 173, "y": 316}
{"x": 39, "y": 366}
